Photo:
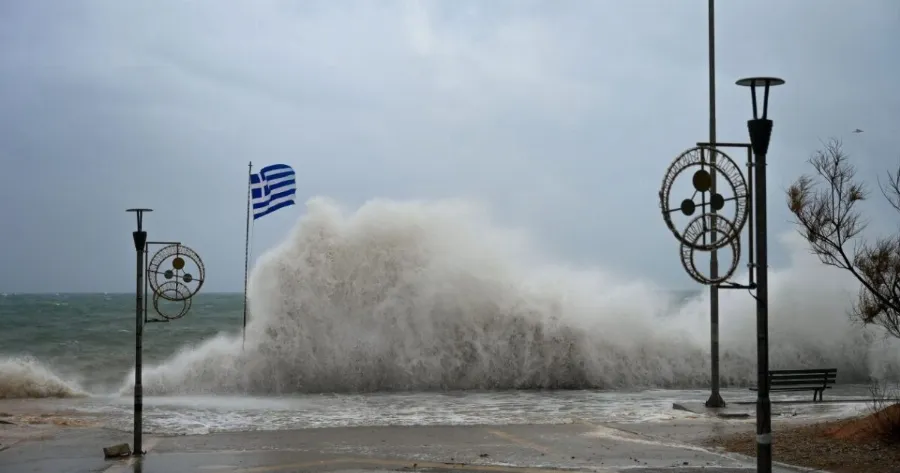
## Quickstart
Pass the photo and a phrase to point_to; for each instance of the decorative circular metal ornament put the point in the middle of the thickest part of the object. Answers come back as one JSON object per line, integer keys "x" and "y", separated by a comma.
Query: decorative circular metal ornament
{"x": 175, "y": 264}
{"x": 694, "y": 232}
{"x": 178, "y": 299}
{"x": 697, "y": 160}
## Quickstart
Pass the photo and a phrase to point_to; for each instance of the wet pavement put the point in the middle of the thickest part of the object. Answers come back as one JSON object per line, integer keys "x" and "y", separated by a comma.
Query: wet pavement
{"x": 510, "y": 448}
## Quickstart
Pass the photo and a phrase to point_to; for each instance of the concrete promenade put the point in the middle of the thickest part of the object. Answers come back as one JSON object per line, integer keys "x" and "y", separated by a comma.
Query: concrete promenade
{"x": 636, "y": 448}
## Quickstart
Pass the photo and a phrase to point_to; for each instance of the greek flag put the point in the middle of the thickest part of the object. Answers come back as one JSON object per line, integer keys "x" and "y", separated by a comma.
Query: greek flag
{"x": 271, "y": 189}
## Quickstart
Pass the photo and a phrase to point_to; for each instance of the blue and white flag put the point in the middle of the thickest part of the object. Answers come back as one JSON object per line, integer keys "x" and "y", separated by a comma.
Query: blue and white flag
{"x": 271, "y": 189}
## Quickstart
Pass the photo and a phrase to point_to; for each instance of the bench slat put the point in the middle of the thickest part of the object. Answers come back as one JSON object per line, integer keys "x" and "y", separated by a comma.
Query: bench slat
{"x": 804, "y": 376}
{"x": 815, "y": 380}
{"x": 823, "y": 370}
{"x": 799, "y": 383}
{"x": 801, "y": 377}
{"x": 820, "y": 373}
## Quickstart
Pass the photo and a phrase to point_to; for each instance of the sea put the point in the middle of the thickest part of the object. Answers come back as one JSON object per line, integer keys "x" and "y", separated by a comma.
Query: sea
{"x": 426, "y": 313}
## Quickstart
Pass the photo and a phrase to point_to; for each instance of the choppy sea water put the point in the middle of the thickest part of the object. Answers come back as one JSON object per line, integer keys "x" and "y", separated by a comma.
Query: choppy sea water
{"x": 88, "y": 340}
{"x": 417, "y": 312}
{"x": 186, "y": 415}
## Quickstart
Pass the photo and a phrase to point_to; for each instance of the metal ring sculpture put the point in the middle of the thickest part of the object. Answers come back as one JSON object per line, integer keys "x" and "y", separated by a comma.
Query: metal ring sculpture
{"x": 702, "y": 181}
{"x": 175, "y": 310}
{"x": 172, "y": 279}
{"x": 707, "y": 231}
{"x": 695, "y": 231}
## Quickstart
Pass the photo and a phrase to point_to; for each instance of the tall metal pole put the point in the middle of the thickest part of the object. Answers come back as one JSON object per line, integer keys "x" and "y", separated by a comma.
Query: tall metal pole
{"x": 760, "y": 134}
{"x": 763, "y": 404}
{"x": 715, "y": 398}
{"x": 247, "y": 251}
{"x": 140, "y": 239}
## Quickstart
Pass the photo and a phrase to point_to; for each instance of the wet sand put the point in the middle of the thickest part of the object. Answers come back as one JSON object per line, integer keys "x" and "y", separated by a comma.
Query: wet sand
{"x": 68, "y": 442}
{"x": 51, "y": 436}
{"x": 856, "y": 445}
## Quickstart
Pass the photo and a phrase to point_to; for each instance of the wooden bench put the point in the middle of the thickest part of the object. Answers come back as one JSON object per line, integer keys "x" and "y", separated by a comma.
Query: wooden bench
{"x": 815, "y": 380}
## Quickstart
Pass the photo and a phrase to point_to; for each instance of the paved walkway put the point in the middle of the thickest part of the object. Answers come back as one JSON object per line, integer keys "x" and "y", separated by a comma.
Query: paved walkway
{"x": 531, "y": 448}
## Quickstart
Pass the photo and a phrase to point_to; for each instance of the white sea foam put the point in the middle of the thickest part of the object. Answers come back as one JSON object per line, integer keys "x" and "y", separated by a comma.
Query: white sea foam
{"x": 26, "y": 377}
{"x": 432, "y": 295}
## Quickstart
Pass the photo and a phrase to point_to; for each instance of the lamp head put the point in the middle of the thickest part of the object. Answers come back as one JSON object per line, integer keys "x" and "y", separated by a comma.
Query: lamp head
{"x": 140, "y": 216}
{"x": 766, "y": 83}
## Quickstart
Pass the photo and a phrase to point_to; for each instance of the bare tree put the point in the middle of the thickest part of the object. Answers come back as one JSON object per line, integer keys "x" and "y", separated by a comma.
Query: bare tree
{"x": 826, "y": 209}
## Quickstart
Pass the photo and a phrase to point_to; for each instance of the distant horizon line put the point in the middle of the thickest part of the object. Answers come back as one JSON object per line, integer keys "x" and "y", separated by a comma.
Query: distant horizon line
{"x": 82, "y": 293}
{"x": 91, "y": 293}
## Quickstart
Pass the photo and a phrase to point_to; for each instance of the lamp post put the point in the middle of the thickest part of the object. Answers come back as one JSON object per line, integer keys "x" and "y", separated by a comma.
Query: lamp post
{"x": 170, "y": 279}
{"x": 714, "y": 229}
{"x": 760, "y": 129}
{"x": 140, "y": 240}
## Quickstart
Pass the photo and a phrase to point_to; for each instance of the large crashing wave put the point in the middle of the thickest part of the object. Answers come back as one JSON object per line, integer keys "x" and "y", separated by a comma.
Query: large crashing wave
{"x": 427, "y": 296}
{"x": 25, "y": 377}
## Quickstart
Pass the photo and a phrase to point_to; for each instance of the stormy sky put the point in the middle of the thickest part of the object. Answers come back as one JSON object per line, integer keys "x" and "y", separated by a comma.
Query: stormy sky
{"x": 561, "y": 115}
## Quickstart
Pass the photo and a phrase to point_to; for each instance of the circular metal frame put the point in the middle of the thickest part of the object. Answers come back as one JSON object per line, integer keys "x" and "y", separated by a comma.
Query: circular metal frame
{"x": 174, "y": 258}
{"x": 176, "y": 292}
{"x": 725, "y": 167}
{"x": 695, "y": 231}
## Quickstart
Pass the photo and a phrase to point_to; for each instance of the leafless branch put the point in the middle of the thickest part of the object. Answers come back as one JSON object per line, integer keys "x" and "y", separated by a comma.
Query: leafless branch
{"x": 825, "y": 207}
{"x": 891, "y": 189}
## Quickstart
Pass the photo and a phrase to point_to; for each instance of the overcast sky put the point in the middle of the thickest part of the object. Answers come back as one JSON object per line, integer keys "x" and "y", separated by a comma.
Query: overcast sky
{"x": 561, "y": 115}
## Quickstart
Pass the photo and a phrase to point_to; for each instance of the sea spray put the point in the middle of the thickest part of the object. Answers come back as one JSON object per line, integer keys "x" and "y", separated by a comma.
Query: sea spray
{"x": 432, "y": 296}
{"x": 26, "y": 377}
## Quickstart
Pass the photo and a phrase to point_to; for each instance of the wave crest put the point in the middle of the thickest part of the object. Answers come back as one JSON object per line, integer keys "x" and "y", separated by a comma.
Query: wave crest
{"x": 24, "y": 377}
{"x": 431, "y": 295}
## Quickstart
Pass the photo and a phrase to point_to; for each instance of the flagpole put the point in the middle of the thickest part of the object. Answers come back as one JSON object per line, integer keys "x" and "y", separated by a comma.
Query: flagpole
{"x": 715, "y": 398}
{"x": 246, "y": 252}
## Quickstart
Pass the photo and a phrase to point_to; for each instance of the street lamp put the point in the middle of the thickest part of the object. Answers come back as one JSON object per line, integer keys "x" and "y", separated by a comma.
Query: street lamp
{"x": 760, "y": 133}
{"x": 714, "y": 229}
{"x": 140, "y": 242}
{"x": 172, "y": 280}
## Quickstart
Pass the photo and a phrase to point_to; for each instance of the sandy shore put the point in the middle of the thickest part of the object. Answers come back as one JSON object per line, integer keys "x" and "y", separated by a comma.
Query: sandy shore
{"x": 46, "y": 443}
{"x": 707, "y": 444}
{"x": 852, "y": 445}
{"x": 18, "y": 424}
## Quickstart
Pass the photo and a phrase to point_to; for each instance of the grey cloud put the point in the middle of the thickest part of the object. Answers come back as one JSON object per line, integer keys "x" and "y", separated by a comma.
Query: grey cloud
{"x": 562, "y": 115}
